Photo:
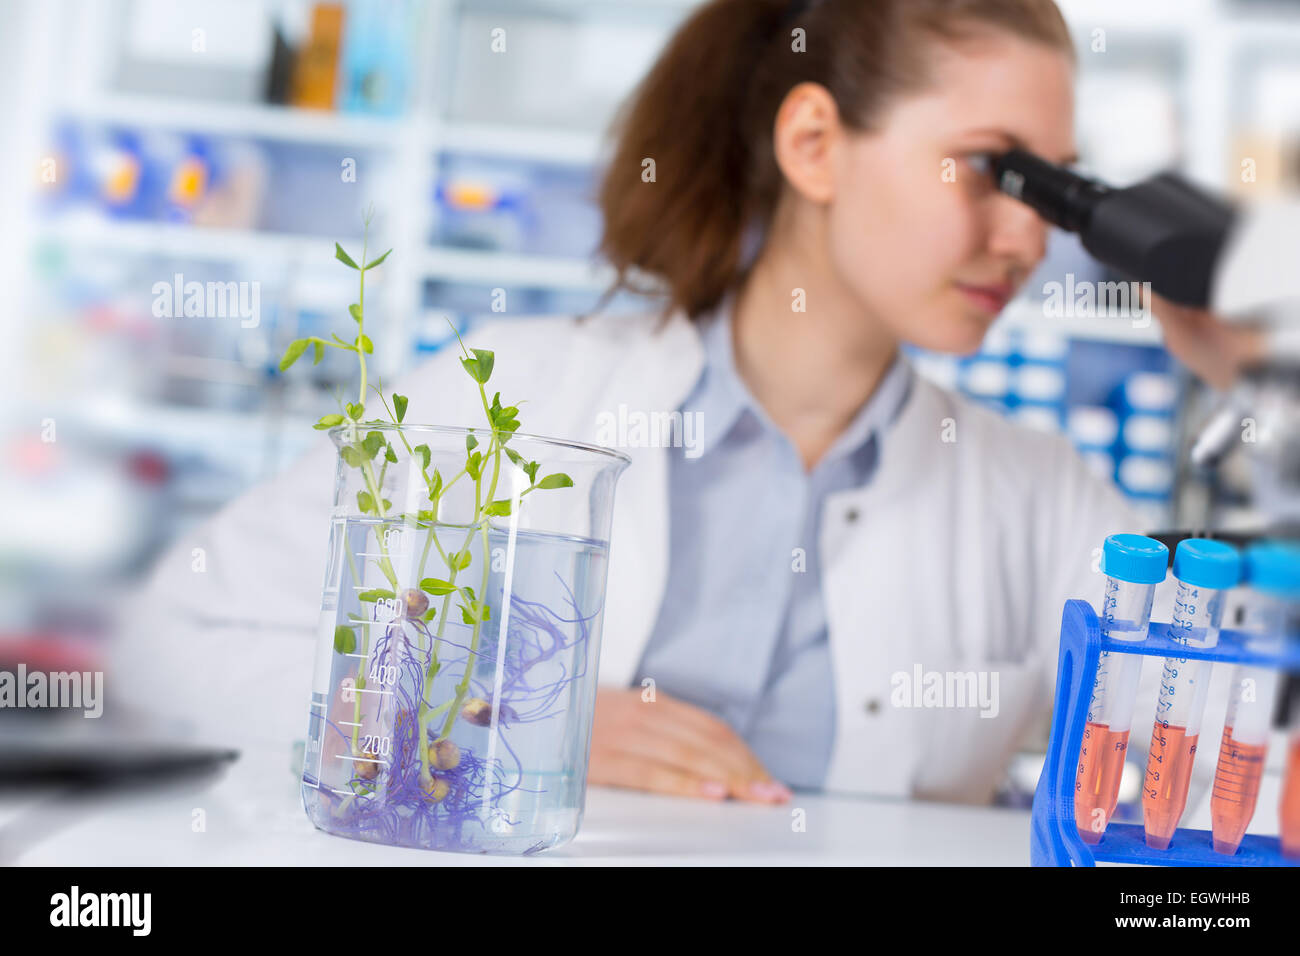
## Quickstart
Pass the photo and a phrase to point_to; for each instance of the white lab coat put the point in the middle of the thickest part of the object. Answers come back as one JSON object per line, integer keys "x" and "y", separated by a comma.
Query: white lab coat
{"x": 958, "y": 557}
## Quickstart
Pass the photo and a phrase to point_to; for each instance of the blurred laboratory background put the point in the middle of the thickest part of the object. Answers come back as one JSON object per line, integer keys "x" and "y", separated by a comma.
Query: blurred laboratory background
{"x": 153, "y": 143}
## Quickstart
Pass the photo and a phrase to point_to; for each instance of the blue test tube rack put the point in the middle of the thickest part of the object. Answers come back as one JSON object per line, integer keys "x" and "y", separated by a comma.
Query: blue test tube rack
{"x": 1055, "y": 838}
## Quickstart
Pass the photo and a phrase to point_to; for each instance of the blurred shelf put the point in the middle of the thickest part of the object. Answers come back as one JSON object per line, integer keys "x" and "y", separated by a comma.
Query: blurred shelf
{"x": 323, "y": 127}
{"x": 169, "y": 425}
{"x": 234, "y": 245}
{"x": 1028, "y": 315}
{"x": 254, "y": 120}
{"x": 189, "y": 242}
{"x": 574, "y": 148}
{"x": 504, "y": 269}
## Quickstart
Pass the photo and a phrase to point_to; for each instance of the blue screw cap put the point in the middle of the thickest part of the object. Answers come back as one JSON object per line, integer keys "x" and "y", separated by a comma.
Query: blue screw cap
{"x": 1134, "y": 558}
{"x": 1274, "y": 568}
{"x": 1203, "y": 563}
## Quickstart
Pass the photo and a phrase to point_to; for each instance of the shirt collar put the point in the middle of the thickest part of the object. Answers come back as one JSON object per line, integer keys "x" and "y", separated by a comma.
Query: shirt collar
{"x": 723, "y": 401}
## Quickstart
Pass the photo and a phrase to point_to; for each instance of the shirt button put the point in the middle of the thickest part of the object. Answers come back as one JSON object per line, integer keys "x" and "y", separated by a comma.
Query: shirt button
{"x": 873, "y": 706}
{"x": 851, "y": 515}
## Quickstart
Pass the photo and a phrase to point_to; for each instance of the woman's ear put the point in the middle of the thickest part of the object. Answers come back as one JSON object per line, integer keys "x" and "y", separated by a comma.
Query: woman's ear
{"x": 805, "y": 136}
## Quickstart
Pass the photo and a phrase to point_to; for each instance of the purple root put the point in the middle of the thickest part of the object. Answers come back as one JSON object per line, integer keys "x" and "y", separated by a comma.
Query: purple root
{"x": 394, "y": 807}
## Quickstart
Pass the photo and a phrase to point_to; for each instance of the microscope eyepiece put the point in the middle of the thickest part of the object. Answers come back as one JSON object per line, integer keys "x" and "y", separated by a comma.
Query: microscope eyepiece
{"x": 1063, "y": 198}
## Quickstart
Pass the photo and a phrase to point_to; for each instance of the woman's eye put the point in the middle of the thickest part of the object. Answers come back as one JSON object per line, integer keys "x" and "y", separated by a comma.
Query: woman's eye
{"x": 980, "y": 162}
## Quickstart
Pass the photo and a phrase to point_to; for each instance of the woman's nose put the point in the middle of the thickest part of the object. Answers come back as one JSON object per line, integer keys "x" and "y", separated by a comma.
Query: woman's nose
{"x": 1016, "y": 232}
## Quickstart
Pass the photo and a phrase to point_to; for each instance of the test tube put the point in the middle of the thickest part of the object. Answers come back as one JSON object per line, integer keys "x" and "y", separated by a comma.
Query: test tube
{"x": 1133, "y": 564}
{"x": 1204, "y": 570}
{"x": 1289, "y": 812}
{"x": 1272, "y": 570}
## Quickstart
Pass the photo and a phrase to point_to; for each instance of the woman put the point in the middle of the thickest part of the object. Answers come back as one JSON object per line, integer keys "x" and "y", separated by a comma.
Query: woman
{"x": 801, "y": 179}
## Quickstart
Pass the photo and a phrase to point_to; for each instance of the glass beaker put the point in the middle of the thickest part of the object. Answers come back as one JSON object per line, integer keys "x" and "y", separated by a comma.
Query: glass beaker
{"x": 459, "y": 638}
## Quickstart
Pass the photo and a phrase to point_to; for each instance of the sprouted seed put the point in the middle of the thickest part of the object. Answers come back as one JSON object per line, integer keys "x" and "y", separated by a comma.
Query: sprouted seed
{"x": 444, "y": 754}
{"x": 368, "y": 769}
{"x": 416, "y": 601}
{"x": 477, "y": 711}
{"x": 437, "y": 789}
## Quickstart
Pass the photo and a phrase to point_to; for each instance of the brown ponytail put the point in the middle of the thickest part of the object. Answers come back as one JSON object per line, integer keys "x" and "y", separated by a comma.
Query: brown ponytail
{"x": 702, "y": 120}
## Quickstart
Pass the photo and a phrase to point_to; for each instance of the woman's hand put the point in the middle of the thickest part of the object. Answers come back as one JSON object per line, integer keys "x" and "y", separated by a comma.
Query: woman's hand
{"x": 667, "y": 746}
{"x": 1213, "y": 350}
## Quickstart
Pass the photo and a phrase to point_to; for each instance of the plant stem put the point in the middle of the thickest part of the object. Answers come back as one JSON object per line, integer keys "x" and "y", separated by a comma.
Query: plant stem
{"x": 494, "y": 451}
{"x": 361, "y": 317}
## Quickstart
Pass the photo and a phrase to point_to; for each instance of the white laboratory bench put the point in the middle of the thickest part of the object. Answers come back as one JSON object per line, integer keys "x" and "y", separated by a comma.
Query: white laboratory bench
{"x": 253, "y": 816}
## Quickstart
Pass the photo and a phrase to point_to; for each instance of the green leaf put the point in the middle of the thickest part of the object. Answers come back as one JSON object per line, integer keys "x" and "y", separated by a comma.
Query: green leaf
{"x": 355, "y": 311}
{"x": 514, "y": 456}
{"x": 364, "y": 343}
{"x": 437, "y": 586}
{"x": 343, "y": 257}
{"x": 293, "y": 353}
{"x": 355, "y": 410}
{"x": 328, "y": 421}
{"x": 365, "y": 502}
{"x": 486, "y": 360}
{"x": 318, "y": 352}
{"x": 399, "y": 406}
{"x": 352, "y": 456}
{"x": 435, "y": 483}
{"x": 474, "y": 465}
{"x": 470, "y": 443}
{"x": 429, "y": 614}
{"x": 498, "y": 508}
{"x": 463, "y": 559}
{"x": 373, "y": 442}
{"x": 479, "y": 367}
{"x": 530, "y": 470}
{"x": 425, "y": 456}
{"x": 475, "y": 612}
{"x": 374, "y": 262}
{"x": 345, "y": 641}
{"x": 375, "y": 594}
{"x": 390, "y": 455}
{"x": 557, "y": 480}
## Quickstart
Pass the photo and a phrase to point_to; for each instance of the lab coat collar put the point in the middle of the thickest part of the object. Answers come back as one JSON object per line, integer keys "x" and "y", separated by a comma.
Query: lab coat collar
{"x": 878, "y": 413}
{"x": 720, "y": 396}
{"x": 922, "y": 423}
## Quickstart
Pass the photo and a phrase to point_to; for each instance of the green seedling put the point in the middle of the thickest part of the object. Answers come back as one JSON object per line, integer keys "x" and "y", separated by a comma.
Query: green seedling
{"x": 370, "y": 451}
